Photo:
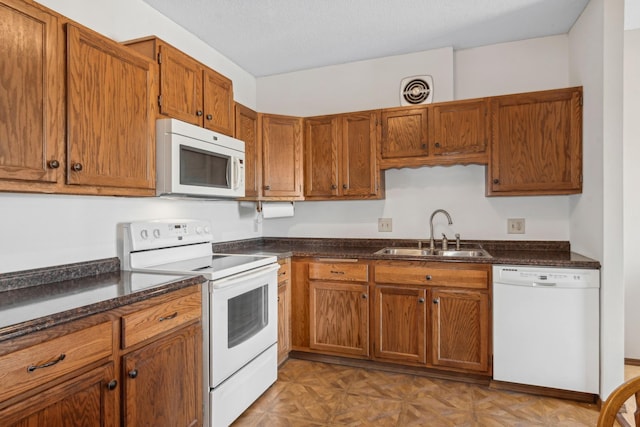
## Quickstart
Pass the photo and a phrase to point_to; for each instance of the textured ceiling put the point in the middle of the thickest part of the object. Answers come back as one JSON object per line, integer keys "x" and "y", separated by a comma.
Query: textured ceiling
{"x": 267, "y": 37}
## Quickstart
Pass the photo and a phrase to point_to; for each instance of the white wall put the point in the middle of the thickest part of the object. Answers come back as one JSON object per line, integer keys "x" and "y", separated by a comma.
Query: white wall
{"x": 631, "y": 199}
{"x": 596, "y": 216}
{"x": 43, "y": 230}
{"x": 412, "y": 194}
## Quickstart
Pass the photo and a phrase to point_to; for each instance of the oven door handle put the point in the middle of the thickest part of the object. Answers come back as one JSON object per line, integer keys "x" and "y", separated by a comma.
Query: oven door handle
{"x": 240, "y": 277}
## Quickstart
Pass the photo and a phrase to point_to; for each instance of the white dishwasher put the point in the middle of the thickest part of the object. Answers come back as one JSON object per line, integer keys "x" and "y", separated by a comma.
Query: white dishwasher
{"x": 546, "y": 327}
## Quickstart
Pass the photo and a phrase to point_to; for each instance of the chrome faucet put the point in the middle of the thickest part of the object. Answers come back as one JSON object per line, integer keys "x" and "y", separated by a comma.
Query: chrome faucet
{"x": 432, "y": 245}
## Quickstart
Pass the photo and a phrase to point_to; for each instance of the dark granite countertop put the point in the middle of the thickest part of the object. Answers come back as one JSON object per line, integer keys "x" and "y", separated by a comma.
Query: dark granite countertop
{"x": 38, "y": 299}
{"x": 509, "y": 252}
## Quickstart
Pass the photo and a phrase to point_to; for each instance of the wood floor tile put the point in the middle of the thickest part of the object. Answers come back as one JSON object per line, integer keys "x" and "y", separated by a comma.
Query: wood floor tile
{"x": 318, "y": 394}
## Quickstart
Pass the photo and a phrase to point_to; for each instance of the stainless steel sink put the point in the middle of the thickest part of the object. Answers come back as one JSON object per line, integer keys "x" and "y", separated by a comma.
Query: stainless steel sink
{"x": 464, "y": 253}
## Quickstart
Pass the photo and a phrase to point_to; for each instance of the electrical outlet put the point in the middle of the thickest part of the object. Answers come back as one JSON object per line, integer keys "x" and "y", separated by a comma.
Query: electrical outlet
{"x": 515, "y": 226}
{"x": 384, "y": 224}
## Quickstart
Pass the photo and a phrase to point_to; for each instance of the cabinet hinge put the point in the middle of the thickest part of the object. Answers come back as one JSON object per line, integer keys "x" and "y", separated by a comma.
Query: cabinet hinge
{"x": 159, "y": 100}
{"x": 159, "y": 57}
{"x": 581, "y": 101}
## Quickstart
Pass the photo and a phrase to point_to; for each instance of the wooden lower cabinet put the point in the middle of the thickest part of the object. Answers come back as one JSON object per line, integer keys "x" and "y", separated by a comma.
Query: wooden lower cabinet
{"x": 399, "y": 322}
{"x": 162, "y": 385}
{"x": 460, "y": 329}
{"x": 90, "y": 399}
{"x": 284, "y": 310}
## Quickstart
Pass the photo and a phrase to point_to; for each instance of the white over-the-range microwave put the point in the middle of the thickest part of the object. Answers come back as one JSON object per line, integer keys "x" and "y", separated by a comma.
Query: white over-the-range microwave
{"x": 196, "y": 162}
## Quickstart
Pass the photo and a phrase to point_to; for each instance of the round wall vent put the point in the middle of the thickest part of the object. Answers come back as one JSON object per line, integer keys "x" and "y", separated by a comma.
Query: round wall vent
{"x": 416, "y": 90}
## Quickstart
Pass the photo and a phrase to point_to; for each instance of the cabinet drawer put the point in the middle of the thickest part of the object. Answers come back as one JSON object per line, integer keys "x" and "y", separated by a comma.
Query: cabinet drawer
{"x": 474, "y": 277}
{"x": 285, "y": 271}
{"x": 145, "y": 324}
{"x": 25, "y": 369}
{"x": 339, "y": 271}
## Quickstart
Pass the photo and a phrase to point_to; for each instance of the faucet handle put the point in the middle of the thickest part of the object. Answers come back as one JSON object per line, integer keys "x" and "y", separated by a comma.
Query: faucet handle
{"x": 457, "y": 241}
{"x": 445, "y": 242}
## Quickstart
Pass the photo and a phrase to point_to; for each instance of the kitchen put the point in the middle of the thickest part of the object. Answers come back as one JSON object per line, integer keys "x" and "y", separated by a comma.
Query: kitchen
{"x": 591, "y": 221}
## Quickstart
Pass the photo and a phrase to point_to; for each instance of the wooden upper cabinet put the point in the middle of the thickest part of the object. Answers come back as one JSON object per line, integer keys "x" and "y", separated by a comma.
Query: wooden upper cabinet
{"x": 31, "y": 96}
{"x": 322, "y": 142}
{"x": 536, "y": 145}
{"x": 340, "y": 157}
{"x": 281, "y": 138}
{"x": 189, "y": 91}
{"x": 246, "y": 129}
{"x": 460, "y": 128}
{"x": 111, "y": 126}
{"x": 404, "y": 134}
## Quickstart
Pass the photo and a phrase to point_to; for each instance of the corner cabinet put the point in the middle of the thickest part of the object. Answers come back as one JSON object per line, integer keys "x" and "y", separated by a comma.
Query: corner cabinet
{"x": 188, "y": 90}
{"x": 536, "y": 143}
{"x": 111, "y": 126}
{"x": 340, "y": 157}
{"x": 246, "y": 129}
{"x": 281, "y": 140}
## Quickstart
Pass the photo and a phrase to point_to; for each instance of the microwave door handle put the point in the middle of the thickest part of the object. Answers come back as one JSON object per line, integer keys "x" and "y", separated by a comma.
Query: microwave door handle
{"x": 236, "y": 174}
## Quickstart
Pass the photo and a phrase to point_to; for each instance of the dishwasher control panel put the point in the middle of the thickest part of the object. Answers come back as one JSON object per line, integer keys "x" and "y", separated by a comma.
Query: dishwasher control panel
{"x": 546, "y": 276}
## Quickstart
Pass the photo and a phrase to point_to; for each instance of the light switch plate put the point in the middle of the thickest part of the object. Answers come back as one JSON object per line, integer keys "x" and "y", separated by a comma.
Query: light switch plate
{"x": 515, "y": 226}
{"x": 384, "y": 225}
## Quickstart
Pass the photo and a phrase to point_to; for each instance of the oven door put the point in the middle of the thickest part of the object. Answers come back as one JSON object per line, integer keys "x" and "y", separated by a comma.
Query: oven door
{"x": 243, "y": 319}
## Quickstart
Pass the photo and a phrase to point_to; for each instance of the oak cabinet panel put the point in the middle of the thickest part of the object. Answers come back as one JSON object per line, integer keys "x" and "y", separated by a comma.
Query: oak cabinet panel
{"x": 284, "y": 310}
{"x": 460, "y": 329}
{"x": 246, "y": 129}
{"x": 31, "y": 96}
{"x": 536, "y": 144}
{"x": 111, "y": 127}
{"x": 460, "y": 128}
{"x": 322, "y": 143}
{"x": 360, "y": 174}
{"x": 281, "y": 138}
{"x": 162, "y": 381}
{"x": 405, "y": 133}
{"x": 189, "y": 91}
{"x": 399, "y": 330}
{"x": 339, "y": 317}
{"x": 90, "y": 399}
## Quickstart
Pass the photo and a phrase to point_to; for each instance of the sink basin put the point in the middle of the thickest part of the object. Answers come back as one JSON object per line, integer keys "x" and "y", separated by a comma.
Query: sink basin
{"x": 469, "y": 253}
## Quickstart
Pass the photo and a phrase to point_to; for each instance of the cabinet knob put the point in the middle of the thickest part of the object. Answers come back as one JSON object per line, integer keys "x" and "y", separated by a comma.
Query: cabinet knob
{"x": 424, "y": 145}
{"x": 76, "y": 167}
{"x": 365, "y": 296}
{"x": 209, "y": 117}
{"x": 333, "y": 186}
{"x": 436, "y": 300}
{"x": 437, "y": 144}
{"x": 496, "y": 181}
{"x": 345, "y": 186}
{"x": 133, "y": 373}
{"x": 112, "y": 385}
{"x": 428, "y": 277}
{"x": 267, "y": 187}
{"x": 199, "y": 113}
{"x": 53, "y": 164}
{"x": 421, "y": 300}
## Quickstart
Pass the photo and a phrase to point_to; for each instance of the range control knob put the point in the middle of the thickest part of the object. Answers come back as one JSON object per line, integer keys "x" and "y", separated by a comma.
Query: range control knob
{"x": 144, "y": 234}
{"x": 156, "y": 233}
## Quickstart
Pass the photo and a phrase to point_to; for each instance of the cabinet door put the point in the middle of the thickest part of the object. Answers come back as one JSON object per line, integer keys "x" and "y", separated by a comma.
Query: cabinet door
{"x": 459, "y": 128}
{"x": 404, "y": 133}
{"x": 90, "y": 399}
{"x": 359, "y": 167}
{"x": 246, "y": 125}
{"x": 322, "y": 141}
{"x": 460, "y": 329}
{"x": 339, "y": 317}
{"x": 162, "y": 381}
{"x": 111, "y": 126}
{"x": 282, "y": 156}
{"x": 400, "y": 316}
{"x": 536, "y": 143}
{"x": 180, "y": 86}
{"x": 31, "y": 94}
{"x": 218, "y": 102}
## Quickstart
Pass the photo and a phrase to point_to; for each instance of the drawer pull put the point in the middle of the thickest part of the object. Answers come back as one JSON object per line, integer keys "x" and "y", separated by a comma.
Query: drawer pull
{"x": 133, "y": 373}
{"x": 169, "y": 317}
{"x": 428, "y": 277}
{"x": 337, "y": 272}
{"x": 112, "y": 385}
{"x": 46, "y": 365}
{"x": 284, "y": 273}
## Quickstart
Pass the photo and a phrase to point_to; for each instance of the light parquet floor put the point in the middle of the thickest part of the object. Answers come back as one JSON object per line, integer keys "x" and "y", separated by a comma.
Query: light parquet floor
{"x": 318, "y": 394}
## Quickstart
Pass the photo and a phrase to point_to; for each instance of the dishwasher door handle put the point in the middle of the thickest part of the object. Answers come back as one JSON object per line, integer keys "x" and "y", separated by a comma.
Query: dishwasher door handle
{"x": 544, "y": 284}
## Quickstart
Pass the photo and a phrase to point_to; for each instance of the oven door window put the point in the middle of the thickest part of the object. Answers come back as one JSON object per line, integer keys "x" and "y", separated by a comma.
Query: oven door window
{"x": 248, "y": 314}
{"x": 203, "y": 168}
